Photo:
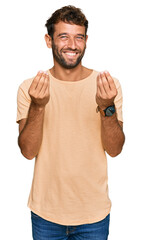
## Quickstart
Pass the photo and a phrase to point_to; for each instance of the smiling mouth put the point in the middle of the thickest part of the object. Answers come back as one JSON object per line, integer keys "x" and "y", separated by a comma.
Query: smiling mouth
{"x": 71, "y": 54}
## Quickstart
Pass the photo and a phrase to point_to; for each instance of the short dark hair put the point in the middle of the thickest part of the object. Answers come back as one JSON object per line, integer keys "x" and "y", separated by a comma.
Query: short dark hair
{"x": 67, "y": 14}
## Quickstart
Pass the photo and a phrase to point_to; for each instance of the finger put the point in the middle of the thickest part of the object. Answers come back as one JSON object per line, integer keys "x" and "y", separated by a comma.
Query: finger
{"x": 41, "y": 83}
{"x": 105, "y": 83}
{"x": 36, "y": 80}
{"x": 110, "y": 81}
{"x": 100, "y": 85}
{"x": 98, "y": 91}
{"x": 45, "y": 88}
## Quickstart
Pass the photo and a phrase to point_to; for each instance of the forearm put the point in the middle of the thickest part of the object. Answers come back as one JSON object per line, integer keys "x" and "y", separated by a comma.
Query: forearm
{"x": 112, "y": 135}
{"x": 31, "y": 136}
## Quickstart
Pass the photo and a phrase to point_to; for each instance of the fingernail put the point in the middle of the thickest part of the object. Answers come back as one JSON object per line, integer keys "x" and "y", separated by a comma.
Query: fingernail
{"x": 46, "y": 73}
{"x": 106, "y": 71}
{"x": 41, "y": 71}
{"x": 101, "y": 73}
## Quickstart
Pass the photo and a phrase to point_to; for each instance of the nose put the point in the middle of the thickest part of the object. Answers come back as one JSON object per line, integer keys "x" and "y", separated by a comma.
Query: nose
{"x": 72, "y": 43}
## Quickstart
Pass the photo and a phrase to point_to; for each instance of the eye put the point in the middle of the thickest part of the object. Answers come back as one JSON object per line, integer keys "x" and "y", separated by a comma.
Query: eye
{"x": 64, "y": 37}
{"x": 80, "y": 38}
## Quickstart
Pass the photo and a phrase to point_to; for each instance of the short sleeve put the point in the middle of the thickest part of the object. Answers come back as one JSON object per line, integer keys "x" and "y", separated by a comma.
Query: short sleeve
{"x": 118, "y": 101}
{"x": 23, "y": 100}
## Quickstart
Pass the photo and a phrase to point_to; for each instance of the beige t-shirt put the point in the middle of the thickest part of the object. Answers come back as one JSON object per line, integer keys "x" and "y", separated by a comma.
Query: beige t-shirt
{"x": 70, "y": 176}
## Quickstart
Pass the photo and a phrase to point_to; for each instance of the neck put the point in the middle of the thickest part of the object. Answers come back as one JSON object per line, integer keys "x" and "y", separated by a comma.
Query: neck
{"x": 74, "y": 74}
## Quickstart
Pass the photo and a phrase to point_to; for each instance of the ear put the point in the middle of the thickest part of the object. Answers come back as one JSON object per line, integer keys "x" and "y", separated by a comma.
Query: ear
{"x": 48, "y": 40}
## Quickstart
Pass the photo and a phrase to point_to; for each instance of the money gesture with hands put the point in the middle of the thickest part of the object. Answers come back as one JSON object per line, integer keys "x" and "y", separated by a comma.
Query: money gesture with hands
{"x": 30, "y": 135}
{"x": 39, "y": 89}
{"x": 106, "y": 90}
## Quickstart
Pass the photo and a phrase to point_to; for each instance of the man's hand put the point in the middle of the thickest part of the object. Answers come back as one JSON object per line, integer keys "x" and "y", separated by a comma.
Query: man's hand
{"x": 30, "y": 136}
{"x": 106, "y": 90}
{"x": 39, "y": 89}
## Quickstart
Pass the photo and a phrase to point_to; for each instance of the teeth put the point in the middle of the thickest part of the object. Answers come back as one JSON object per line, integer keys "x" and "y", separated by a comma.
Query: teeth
{"x": 71, "y": 54}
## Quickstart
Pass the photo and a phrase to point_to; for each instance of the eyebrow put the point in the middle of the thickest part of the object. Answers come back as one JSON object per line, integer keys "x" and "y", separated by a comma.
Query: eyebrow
{"x": 61, "y": 34}
{"x": 82, "y": 35}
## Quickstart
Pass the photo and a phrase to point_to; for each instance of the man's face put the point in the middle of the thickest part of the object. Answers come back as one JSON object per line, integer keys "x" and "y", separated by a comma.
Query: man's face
{"x": 68, "y": 44}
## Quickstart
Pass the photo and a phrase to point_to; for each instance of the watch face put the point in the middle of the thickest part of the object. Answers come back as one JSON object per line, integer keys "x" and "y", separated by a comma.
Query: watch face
{"x": 110, "y": 111}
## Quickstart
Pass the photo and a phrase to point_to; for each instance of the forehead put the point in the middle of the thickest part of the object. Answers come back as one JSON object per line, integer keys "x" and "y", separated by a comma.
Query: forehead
{"x": 73, "y": 29}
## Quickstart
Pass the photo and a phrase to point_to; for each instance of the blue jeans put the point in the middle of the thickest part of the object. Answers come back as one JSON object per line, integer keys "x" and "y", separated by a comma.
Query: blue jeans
{"x": 46, "y": 230}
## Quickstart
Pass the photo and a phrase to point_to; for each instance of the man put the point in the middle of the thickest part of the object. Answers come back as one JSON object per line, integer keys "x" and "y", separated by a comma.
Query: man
{"x": 69, "y": 116}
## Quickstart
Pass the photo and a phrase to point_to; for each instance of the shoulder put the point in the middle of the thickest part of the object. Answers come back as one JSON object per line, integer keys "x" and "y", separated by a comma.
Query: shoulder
{"x": 116, "y": 81}
{"x": 23, "y": 90}
{"x": 90, "y": 73}
{"x": 26, "y": 83}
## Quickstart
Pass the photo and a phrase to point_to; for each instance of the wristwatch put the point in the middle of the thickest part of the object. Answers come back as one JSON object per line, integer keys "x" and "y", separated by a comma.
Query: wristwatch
{"x": 108, "y": 112}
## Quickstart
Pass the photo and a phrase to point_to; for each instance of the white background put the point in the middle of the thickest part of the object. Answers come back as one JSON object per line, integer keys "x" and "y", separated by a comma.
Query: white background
{"x": 115, "y": 45}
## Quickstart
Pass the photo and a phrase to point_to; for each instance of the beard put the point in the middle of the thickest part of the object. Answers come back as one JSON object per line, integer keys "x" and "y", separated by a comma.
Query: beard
{"x": 62, "y": 61}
